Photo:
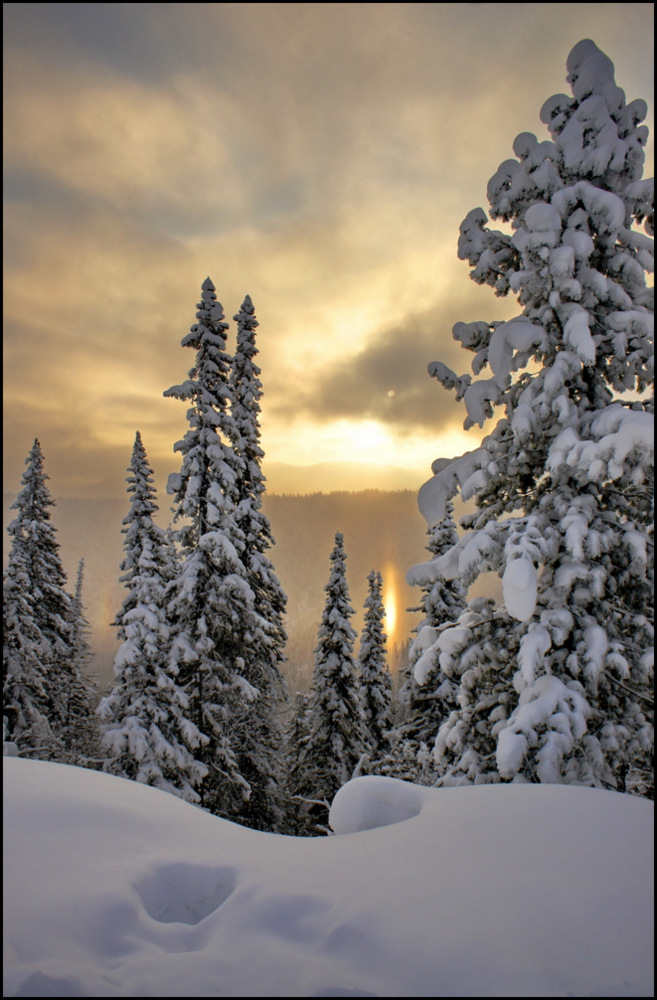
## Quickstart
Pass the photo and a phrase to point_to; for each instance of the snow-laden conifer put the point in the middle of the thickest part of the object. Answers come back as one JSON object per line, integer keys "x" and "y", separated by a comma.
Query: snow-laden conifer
{"x": 430, "y": 694}
{"x": 298, "y": 811}
{"x": 83, "y": 737}
{"x": 336, "y": 733}
{"x": 211, "y": 601}
{"x": 146, "y": 732}
{"x": 246, "y": 389}
{"x": 555, "y": 683}
{"x": 375, "y": 680}
{"x": 25, "y": 655}
{"x": 81, "y": 627}
{"x": 256, "y": 727}
{"x": 39, "y": 663}
{"x": 427, "y": 695}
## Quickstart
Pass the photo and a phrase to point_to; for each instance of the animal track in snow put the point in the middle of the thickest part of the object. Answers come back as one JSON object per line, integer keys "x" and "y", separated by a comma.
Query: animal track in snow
{"x": 185, "y": 894}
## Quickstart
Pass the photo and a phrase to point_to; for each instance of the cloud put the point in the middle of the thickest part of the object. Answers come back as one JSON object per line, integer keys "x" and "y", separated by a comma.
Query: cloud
{"x": 387, "y": 379}
{"x": 319, "y": 157}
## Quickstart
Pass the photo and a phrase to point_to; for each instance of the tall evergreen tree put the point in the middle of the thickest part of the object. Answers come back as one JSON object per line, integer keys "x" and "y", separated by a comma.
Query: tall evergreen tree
{"x": 82, "y": 738}
{"x": 555, "y": 683}
{"x": 427, "y": 695}
{"x": 211, "y": 601}
{"x": 430, "y": 693}
{"x": 337, "y": 737}
{"x": 298, "y": 816}
{"x": 146, "y": 730}
{"x": 25, "y": 657}
{"x": 39, "y": 663}
{"x": 246, "y": 391}
{"x": 375, "y": 680}
{"x": 256, "y": 726}
{"x": 81, "y": 627}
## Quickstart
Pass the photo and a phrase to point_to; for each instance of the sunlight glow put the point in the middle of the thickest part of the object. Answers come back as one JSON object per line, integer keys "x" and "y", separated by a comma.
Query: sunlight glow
{"x": 390, "y": 601}
{"x": 367, "y": 442}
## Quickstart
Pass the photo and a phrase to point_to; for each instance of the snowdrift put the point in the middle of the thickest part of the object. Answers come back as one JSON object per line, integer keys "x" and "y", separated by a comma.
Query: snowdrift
{"x": 115, "y": 889}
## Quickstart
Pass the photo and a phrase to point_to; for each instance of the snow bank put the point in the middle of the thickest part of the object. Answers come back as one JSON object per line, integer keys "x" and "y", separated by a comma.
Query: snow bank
{"x": 116, "y": 889}
{"x": 369, "y": 802}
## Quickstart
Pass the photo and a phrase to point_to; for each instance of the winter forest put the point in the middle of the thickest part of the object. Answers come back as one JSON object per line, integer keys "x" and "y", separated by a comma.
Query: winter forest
{"x": 551, "y": 685}
{"x": 476, "y": 823}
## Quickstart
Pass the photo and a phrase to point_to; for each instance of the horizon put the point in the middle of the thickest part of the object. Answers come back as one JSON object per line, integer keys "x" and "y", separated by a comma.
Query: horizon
{"x": 304, "y": 471}
{"x": 281, "y": 478}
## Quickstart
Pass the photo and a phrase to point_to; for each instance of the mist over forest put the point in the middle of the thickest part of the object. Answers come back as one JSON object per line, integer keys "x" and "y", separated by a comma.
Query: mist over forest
{"x": 383, "y": 530}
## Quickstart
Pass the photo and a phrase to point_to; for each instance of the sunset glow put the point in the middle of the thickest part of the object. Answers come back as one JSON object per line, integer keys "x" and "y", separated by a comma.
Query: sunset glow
{"x": 368, "y": 443}
{"x": 159, "y": 164}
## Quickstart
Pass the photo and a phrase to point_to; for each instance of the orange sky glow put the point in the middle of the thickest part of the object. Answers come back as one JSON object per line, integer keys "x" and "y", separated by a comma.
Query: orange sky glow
{"x": 319, "y": 157}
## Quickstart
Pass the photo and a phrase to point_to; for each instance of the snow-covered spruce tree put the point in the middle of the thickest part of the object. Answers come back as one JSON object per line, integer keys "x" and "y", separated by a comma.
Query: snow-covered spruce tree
{"x": 246, "y": 388}
{"x": 211, "y": 602}
{"x": 431, "y": 695}
{"x": 24, "y": 658}
{"x": 256, "y": 727}
{"x": 555, "y": 683}
{"x": 298, "y": 819}
{"x": 336, "y": 733}
{"x": 82, "y": 737}
{"x": 146, "y": 731}
{"x": 427, "y": 695}
{"x": 40, "y": 668}
{"x": 375, "y": 680}
{"x": 81, "y": 627}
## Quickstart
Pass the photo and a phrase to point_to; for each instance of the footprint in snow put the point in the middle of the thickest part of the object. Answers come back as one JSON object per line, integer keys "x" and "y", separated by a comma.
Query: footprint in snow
{"x": 185, "y": 894}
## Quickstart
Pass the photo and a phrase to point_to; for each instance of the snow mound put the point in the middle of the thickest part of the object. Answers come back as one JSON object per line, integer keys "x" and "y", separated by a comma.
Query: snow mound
{"x": 369, "y": 802}
{"x": 115, "y": 889}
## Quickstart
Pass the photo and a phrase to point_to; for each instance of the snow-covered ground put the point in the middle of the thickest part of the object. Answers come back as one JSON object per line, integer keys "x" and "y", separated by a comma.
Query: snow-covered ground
{"x": 115, "y": 889}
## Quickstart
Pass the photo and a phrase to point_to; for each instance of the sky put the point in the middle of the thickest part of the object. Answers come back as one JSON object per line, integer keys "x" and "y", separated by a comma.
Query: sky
{"x": 115, "y": 889}
{"x": 318, "y": 157}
